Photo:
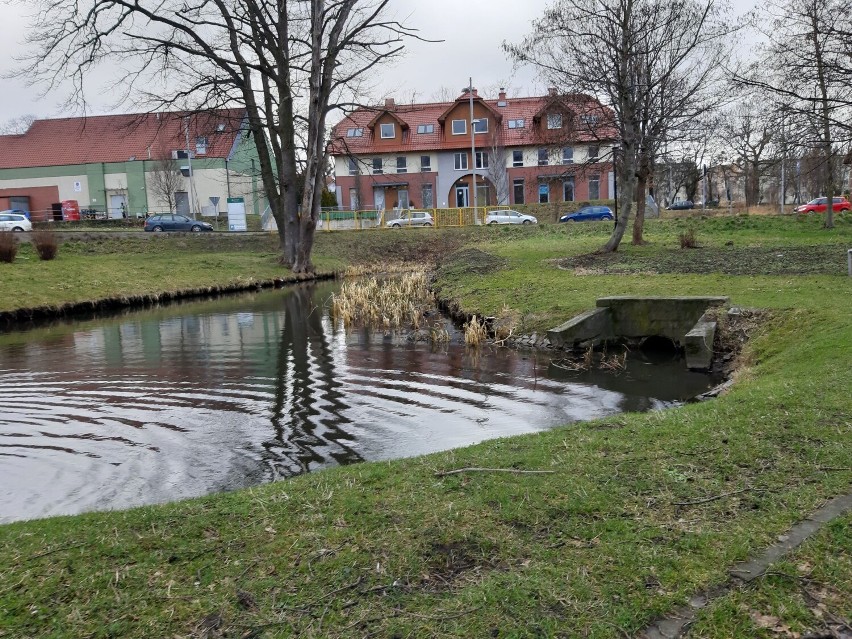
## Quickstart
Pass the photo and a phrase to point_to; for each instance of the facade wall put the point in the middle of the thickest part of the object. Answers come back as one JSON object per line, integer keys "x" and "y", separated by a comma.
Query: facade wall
{"x": 30, "y": 184}
{"x": 41, "y": 198}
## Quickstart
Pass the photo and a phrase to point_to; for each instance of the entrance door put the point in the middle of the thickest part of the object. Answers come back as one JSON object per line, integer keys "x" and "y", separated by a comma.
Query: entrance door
{"x": 118, "y": 206}
{"x": 462, "y": 196}
{"x": 182, "y": 203}
{"x": 20, "y": 203}
{"x": 379, "y": 197}
{"x": 403, "y": 198}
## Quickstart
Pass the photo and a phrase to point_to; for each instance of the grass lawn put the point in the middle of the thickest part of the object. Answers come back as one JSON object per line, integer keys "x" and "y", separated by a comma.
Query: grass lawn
{"x": 598, "y": 548}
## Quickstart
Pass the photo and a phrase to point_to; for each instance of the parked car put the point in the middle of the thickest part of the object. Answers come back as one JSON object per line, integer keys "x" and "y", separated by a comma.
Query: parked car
{"x": 820, "y": 204}
{"x": 588, "y": 214}
{"x": 507, "y": 216}
{"x": 411, "y": 218}
{"x": 14, "y": 222}
{"x": 157, "y": 223}
{"x": 680, "y": 205}
{"x": 26, "y": 214}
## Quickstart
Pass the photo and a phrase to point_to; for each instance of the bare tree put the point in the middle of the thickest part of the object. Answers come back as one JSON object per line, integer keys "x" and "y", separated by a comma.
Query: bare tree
{"x": 288, "y": 62}
{"x": 17, "y": 126}
{"x": 806, "y": 64}
{"x": 748, "y": 132}
{"x": 654, "y": 63}
{"x": 165, "y": 178}
{"x": 497, "y": 169}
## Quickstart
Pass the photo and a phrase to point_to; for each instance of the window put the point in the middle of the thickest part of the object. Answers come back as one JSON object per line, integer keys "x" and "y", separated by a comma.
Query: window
{"x": 589, "y": 119}
{"x": 459, "y": 127}
{"x": 354, "y": 133}
{"x": 481, "y": 159}
{"x": 517, "y": 158}
{"x": 220, "y": 127}
{"x": 543, "y": 193}
{"x": 388, "y": 130}
{"x": 353, "y": 167}
{"x": 480, "y": 125}
{"x": 518, "y": 191}
{"x": 568, "y": 155}
{"x": 377, "y": 166}
{"x": 425, "y": 163}
{"x": 461, "y": 161}
{"x": 516, "y": 124}
{"x": 401, "y": 164}
{"x": 428, "y": 200}
{"x": 542, "y": 157}
{"x": 554, "y": 120}
{"x": 201, "y": 146}
{"x": 568, "y": 189}
{"x": 353, "y": 199}
{"x": 593, "y": 152}
{"x": 595, "y": 187}
{"x": 425, "y": 128}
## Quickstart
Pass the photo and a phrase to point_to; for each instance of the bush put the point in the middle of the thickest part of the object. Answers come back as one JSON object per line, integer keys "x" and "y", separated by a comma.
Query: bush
{"x": 687, "y": 239}
{"x": 45, "y": 244}
{"x": 8, "y": 246}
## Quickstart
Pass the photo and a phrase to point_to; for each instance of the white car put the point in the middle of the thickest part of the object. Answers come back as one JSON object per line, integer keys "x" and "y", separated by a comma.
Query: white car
{"x": 507, "y": 216}
{"x": 14, "y": 222}
{"x": 411, "y": 218}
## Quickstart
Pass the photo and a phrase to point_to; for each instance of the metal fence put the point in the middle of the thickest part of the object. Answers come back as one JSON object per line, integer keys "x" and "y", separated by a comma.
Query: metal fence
{"x": 340, "y": 220}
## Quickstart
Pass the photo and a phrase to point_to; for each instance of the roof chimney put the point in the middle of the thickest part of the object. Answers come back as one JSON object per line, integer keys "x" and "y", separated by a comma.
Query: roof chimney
{"x": 502, "y": 95}
{"x": 552, "y": 91}
{"x": 390, "y": 104}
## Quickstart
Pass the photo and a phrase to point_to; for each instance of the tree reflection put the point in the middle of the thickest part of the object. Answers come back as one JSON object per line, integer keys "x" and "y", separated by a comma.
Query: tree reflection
{"x": 308, "y": 407}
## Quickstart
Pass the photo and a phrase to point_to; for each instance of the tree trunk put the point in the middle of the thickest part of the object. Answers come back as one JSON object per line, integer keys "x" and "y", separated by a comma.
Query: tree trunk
{"x": 639, "y": 222}
{"x": 625, "y": 191}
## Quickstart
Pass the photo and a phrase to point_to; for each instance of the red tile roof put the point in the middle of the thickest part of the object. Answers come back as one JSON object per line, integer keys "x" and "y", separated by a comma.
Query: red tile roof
{"x": 417, "y": 114}
{"x": 117, "y": 138}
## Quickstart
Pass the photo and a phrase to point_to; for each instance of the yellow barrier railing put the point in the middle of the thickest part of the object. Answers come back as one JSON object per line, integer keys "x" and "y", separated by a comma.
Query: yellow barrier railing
{"x": 363, "y": 220}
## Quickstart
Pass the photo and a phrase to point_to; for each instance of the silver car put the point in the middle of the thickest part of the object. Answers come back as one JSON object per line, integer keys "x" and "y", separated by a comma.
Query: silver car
{"x": 411, "y": 218}
{"x": 14, "y": 222}
{"x": 508, "y": 216}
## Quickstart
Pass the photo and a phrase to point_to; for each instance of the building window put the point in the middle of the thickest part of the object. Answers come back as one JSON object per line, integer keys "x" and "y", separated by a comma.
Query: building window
{"x": 480, "y": 125}
{"x": 517, "y": 158}
{"x": 568, "y": 189}
{"x": 425, "y": 128}
{"x": 401, "y": 164}
{"x": 353, "y": 167}
{"x": 427, "y": 197}
{"x": 377, "y": 166}
{"x": 461, "y": 161}
{"x": 388, "y": 130}
{"x": 481, "y": 159}
{"x": 201, "y": 146}
{"x": 593, "y": 152}
{"x": 568, "y": 155}
{"x": 425, "y": 163}
{"x": 354, "y": 133}
{"x": 554, "y": 120}
{"x": 589, "y": 119}
{"x": 543, "y": 193}
{"x": 595, "y": 187}
{"x": 518, "y": 191}
{"x": 353, "y": 199}
{"x": 516, "y": 124}
{"x": 459, "y": 127}
{"x": 542, "y": 157}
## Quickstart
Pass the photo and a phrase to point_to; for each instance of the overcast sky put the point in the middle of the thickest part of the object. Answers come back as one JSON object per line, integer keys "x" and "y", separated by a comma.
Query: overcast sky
{"x": 471, "y": 32}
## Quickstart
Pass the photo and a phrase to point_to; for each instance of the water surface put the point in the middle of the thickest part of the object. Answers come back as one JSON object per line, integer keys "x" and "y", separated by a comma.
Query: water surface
{"x": 188, "y": 399}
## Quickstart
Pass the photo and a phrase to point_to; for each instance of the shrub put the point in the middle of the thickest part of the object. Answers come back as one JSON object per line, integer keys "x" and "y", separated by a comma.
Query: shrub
{"x": 45, "y": 244}
{"x": 687, "y": 239}
{"x": 8, "y": 246}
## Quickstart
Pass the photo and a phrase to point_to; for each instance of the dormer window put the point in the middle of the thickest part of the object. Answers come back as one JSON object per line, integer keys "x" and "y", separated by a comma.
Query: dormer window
{"x": 388, "y": 131}
{"x": 425, "y": 128}
{"x": 554, "y": 120}
{"x": 201, "y": 146}
{"x": 480, "y": 125}
{"x": 459, "y": 127}
{"x": 354, "y": 133}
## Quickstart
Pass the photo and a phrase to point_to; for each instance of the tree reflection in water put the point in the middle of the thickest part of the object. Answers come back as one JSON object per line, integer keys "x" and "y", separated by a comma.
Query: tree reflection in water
{"x": 307, "y": 410}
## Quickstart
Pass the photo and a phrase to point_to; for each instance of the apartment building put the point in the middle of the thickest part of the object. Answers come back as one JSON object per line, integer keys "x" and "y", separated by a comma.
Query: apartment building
{"x": 546, "y": 149}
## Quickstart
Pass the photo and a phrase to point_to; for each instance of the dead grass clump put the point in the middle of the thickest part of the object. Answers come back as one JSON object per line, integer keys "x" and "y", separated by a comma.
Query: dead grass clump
{"x": 475, "y": 332}
{"x": 8, "y": 247}
{"x": 687, "y": 239}
{"x": 45, "y": 244}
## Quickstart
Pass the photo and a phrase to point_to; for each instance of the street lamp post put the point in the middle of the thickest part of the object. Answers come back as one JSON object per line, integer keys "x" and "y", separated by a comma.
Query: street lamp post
{"x": 472, "y": 147}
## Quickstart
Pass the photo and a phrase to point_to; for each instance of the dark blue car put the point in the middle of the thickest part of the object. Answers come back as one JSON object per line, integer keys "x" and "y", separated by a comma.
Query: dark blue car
{"x": 157, "y": 223}
{"x": 588, "y": 214}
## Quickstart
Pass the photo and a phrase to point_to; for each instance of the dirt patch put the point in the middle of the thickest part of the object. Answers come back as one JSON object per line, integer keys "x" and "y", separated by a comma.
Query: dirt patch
{"x": 470, "y": 261}
{"x": 452, "y": 561}
{"x": 822, "y": 259}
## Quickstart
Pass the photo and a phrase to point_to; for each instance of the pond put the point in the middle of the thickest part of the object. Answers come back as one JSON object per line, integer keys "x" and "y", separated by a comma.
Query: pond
{"x": 183, "y": 400}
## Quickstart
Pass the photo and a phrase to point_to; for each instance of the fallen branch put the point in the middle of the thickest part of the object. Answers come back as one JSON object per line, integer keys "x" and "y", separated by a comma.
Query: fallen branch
{"x": 514, "y": 471}
{"x": 715, "y": 497}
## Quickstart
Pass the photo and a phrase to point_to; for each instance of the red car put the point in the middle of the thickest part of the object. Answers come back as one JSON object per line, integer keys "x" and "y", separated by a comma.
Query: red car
{"x": 820, "y": 204}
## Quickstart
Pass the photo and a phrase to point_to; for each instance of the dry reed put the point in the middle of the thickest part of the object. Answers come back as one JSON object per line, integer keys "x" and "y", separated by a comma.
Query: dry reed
{"x": 390, "y": 304}
{"x": 475, "y": 332}
{"x": 8, "y": 246}
{"x": 45, "y": 244}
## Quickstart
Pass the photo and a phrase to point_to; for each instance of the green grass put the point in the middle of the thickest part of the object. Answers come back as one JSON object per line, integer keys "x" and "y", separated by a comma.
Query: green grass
{"x": 598, "y": 548}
